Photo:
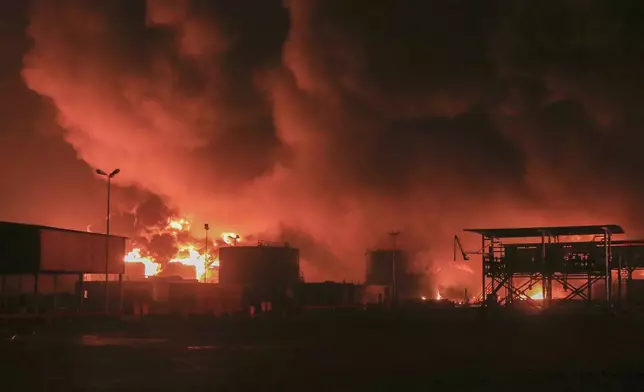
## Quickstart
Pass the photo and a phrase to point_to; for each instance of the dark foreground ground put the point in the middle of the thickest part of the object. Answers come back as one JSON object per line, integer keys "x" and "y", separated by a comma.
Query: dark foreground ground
{"x": 440, "y": 350}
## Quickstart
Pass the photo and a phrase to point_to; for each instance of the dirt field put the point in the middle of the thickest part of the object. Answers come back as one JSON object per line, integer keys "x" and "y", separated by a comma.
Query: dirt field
{"x": 447, "y": 350}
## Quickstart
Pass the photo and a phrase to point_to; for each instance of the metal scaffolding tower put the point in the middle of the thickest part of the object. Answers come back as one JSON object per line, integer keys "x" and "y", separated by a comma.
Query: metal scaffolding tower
{"x": 511, "y": 268}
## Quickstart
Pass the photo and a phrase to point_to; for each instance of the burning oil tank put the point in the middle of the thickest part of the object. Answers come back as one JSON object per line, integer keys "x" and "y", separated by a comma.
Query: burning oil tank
{"x": 265, "y": 266}
{"x": 380, "y": 272}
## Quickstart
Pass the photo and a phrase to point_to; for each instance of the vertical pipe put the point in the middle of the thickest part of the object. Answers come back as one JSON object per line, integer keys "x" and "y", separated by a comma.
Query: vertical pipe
{"x": 36, "y": 307}
{"x": 607, "y": 261}
{"x": 590, "y": 287}
{"x": 81, "y": 291}
{"x": 2, "y": 295}
{"x": 20, "y": 301}
{"x": 394, "y": 294}
{"x": 619, "y": 281}
{"x": 549, "y": 277}
{"x": 482, "y": 269}
{"x": 544, "y": 288}
{"x": 606, "y": 269}
{"x": 120, "y": 294}
{"x": 55, "y": 293}
{"x": 107, "y": 248}
{"x": 629, "y": 283}
{"x": 610, "y": 264}
{"x": 205, "y": 262}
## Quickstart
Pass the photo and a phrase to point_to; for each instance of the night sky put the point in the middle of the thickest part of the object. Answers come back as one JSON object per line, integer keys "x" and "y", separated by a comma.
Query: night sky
{"x": 327, "y": 122}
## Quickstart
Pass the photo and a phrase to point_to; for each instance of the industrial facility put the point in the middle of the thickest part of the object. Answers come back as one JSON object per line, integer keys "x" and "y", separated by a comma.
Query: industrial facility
{"x": 257, "y": 278}
{"x": 516, "y": 260}
{"x": 47, "y": 270}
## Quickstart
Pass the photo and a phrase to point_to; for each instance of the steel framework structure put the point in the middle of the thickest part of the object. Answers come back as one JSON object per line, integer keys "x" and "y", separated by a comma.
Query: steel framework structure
{"x": 510, "y": 271}
{"x": 628, "y": 257}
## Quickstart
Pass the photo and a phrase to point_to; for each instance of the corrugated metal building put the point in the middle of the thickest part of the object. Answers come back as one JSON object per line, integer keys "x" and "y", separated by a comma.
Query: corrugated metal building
{"x": 41, "y": 266}
{"x": 173, "y": 295}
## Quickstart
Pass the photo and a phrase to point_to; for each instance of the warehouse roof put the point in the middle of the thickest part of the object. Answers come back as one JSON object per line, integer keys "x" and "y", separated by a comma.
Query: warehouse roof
{"x": 40, "y": 227}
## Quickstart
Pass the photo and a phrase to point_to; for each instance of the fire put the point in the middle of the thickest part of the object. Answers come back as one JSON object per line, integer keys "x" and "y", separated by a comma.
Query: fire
{"x": 537, "y": 296}
{"x": 180, "y": 224}
{"x": 151, "y": 266}
{"x": 188, "y": 253}
{"x": 438, "y": 296}
{"x": 230, "y": 238}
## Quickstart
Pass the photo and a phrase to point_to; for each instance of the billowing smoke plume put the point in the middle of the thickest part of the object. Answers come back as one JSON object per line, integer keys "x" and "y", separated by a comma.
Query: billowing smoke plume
{"x": 345, "y": 119}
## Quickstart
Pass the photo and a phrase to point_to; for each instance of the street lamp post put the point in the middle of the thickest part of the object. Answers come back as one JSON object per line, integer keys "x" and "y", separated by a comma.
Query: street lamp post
{"x": 107, "y": 232}
{"x": 205, "y": 262}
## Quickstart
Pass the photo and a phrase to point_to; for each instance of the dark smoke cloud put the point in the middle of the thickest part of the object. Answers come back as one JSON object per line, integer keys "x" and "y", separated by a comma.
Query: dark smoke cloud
{"x": 345, "y": 119}
{"x": 153, "y": 213}
{"x": 317, "y": 259}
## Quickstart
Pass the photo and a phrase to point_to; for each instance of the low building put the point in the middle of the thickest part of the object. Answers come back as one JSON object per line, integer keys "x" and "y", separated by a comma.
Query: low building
{"x": 329, "y": 294}
{"x": 41, "y": 266}
{"x": 166, "y": 296}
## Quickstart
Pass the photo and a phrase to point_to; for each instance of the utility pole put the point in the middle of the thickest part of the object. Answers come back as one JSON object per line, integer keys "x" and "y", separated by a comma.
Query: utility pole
{"x": 394, "y": 293}
{"x": 107, "y": 234}
{"x": 205, "y": 270}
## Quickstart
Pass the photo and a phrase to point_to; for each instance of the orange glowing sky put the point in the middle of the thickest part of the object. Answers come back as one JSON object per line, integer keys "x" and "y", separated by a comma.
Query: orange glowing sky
{"x": 322, "y": 124}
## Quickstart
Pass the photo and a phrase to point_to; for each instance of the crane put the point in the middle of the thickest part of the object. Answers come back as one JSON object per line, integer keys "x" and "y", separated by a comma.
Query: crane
{"x": 459, "y": 247}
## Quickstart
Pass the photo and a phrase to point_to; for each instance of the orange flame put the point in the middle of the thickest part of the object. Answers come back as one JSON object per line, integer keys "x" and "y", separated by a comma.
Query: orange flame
{"x": 230, "y": 238}
{"x": 151, "y": 266}
{"x": 537, "y": 296}
{"x": 180, "y": 224}
{"x": 188, "y": 253}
